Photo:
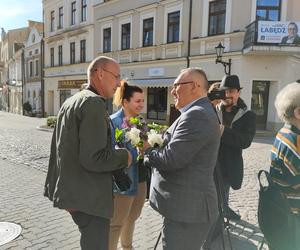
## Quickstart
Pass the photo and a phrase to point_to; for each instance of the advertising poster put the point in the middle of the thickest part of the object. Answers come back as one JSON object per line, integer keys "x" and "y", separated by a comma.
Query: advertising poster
{"x": 278, "y": 32}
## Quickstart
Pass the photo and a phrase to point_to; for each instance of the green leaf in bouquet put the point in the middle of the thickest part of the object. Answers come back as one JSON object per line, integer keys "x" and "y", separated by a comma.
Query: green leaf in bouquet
{"x": 134, "y": 120}
{"x": 118, "y": 134}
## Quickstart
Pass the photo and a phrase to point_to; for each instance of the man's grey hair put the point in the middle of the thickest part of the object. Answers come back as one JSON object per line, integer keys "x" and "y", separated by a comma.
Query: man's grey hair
{"x": 99, "y": 62}
{"x": 287, "y": 100}
{"x": 197, "y": 71}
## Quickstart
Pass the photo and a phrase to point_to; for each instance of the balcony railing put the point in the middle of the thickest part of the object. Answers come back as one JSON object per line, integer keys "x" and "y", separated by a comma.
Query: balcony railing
{"x": 251, "y": 34}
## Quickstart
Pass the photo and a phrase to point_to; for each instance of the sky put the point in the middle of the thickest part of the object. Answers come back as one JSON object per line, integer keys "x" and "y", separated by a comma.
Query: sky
{"x": 15, "y": 13}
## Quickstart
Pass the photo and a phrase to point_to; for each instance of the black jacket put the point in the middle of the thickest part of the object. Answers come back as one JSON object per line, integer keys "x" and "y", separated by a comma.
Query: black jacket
{"x": 234, "y": 139}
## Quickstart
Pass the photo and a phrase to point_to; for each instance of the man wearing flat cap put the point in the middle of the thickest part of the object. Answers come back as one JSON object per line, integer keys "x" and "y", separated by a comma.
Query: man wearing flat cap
{"x": 238, "y": 130}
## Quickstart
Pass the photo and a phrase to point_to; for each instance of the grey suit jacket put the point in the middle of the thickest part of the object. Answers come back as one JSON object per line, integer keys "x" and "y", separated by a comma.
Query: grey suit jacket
{"x": 182, "y": 187}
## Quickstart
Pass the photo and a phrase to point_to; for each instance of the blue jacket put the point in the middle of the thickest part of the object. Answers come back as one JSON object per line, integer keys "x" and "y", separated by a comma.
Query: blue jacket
{"x": 132, "y": 171}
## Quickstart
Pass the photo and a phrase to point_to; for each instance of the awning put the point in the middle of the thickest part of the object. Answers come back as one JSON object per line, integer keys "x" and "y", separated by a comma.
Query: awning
{"x": 153, "y": 82}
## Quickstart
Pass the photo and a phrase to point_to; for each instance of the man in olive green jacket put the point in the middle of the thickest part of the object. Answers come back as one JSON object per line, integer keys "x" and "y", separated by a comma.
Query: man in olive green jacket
{"x": 82, "y": 159}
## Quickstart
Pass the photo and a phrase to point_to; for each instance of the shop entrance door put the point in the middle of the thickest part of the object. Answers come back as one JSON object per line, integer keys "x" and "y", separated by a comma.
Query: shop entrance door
{"x": 259, "y": 102}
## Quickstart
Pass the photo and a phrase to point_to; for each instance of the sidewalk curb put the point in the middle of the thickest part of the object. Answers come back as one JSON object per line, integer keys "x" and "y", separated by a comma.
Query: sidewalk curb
{"x": 45, "y": 129}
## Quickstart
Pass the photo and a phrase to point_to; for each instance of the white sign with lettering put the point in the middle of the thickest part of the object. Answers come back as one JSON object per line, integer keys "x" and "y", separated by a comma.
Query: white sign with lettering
{"x": 156, "y": 72}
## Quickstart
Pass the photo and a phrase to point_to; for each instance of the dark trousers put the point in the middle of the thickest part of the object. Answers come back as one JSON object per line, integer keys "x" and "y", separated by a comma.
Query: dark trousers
{"x": 94, "y": 231}
{"x": 180, "y": 235}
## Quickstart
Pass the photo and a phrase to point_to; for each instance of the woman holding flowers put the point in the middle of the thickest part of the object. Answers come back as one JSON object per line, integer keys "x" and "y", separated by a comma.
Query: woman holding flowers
{"x": 128, "y": 204}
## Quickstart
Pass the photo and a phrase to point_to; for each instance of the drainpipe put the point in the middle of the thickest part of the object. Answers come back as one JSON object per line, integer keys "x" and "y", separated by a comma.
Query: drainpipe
{"x": 42, "y": 58}
{"x": 23, "y": 77}
{"x": 189, "y": 35}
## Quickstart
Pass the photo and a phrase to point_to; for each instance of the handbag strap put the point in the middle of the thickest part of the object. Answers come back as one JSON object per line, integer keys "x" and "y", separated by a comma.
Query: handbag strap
{"x": 268, "y": 176}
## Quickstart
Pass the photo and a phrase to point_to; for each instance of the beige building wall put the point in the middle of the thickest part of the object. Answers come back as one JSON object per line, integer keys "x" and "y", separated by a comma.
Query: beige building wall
{"x": 273, "y": 65}
{"x": 62, "y": 81}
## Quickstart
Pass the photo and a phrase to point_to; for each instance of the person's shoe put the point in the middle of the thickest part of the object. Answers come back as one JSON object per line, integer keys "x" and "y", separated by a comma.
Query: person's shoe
{"x": 230, "y": 214}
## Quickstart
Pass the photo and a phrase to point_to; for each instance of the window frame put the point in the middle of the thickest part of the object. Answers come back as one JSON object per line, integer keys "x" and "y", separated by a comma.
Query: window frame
{"x": 127, "y": 37}
{"x": 104, "y": 50}
{"x": 83, "y": 11}
{"x": 60, "y": 55}
{"x": 60, "y": 18}
{"x": 52, "y": 20}
{"x": 268, "y": 8}
{"x": 37, "y": 68}
{"x": 143, "y": 35}
{"x": 73, "y": 13}
{"x": 173, "y": 40}
{"x": 72, "y": 52}
{"x": 83, "y": 50}
{"x": 218, "y": 13}
{"x": 30, "y": 69}
{"x": 52, "y": 57}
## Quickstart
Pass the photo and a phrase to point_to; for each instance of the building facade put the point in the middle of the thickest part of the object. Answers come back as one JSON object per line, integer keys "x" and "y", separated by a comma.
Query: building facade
{"x": 69, "y": 47}
{"x": 11, "y": 69}
{"x": 32, "y": 67}
{"x": 152, "y": 42}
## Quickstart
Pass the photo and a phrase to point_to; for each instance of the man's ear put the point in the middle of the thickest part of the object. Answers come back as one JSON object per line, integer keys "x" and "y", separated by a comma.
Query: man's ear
{"x": 297, "y": 113}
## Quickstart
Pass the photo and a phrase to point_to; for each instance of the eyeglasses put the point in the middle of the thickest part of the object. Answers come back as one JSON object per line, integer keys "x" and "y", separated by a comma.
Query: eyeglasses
{"x": 176, "y": 84}
{"x": 116, "y": 76}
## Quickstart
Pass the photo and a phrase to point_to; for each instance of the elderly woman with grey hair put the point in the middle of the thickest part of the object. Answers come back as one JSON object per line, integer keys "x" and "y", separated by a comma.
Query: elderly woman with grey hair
{"x": 285, "y": 156}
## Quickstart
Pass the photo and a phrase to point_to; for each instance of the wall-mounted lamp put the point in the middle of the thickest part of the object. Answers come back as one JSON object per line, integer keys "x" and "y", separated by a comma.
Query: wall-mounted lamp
{"x": 227, "y": 65}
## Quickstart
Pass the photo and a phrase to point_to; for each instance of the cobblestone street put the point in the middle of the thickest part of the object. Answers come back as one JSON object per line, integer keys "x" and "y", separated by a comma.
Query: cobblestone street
{"x": 24, "y": 153}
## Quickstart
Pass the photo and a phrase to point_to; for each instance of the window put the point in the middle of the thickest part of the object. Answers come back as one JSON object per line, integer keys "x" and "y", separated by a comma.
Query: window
{"x": 52, "y": 21}
{"x": 157, "y": 103}
{"x": 64, "y": 95}
{"x": 60, "y": 18}
{"x": 30, "y": 69}
{"x": 173, "y": 27}
{"x": 52, "y": 57}
{"x": 73, "y": 13}
{"x": 83, "y": 10}
{"x": 28, "y": 94}
{"x": 268, "y": 10}
{"x": 107, "y": 40}
{"x": 82, "y": 51}
{"x": 36, "y": 67}
{"x": 125, "y": 36}
{"x": 217, "y": 15}
{"x": 148, "y": 32}
{"x": 72, "y": 53}
{"x": 36, "y": 51}
{"x": 60, "y": 55}
{"x": 30, "y": 53}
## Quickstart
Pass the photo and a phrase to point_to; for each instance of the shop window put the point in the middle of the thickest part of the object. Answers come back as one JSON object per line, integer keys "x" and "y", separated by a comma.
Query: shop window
{"x": 157, "y": 103}
{"x": 64, "y": 95}
{"x": 268, "y": 10}
{"x": 173, "y": 27}
{"x": 217, "y": 15}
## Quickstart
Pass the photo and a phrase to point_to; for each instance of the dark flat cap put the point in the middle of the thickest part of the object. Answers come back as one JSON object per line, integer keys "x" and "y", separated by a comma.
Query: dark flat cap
{"x": 230, "y": 82}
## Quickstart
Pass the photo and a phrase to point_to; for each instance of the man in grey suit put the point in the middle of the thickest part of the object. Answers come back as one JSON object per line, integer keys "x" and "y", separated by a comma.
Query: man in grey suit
{"x": 182, "y": 188}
